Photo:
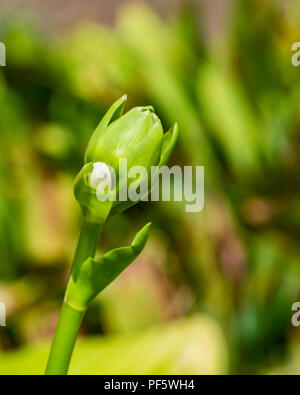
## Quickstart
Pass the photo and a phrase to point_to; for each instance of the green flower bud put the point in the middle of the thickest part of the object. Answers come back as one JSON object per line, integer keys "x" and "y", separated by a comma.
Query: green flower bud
{"x": 136, "y": 137}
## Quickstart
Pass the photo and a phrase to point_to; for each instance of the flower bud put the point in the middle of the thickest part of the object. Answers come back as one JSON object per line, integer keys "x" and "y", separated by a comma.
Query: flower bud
{"x": 100, "y": 177}
{"x": 137, "y": 138}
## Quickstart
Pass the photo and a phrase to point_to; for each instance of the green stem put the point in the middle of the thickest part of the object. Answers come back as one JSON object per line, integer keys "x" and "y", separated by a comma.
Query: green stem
{"x": 70, "y": 319}
{"x": 64, "y": 340}
{"x": 87, "y": 244}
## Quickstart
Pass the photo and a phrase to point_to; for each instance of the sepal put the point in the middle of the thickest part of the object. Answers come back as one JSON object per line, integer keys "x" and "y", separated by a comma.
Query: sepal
{"x": 96, "y": 274}
{"x": 115, "y": 112}
{"x": 168, "y": 144}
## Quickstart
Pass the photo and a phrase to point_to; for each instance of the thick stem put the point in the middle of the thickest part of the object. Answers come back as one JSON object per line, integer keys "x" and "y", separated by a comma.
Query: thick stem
{"x": 70, "y": 319}
{"x": 87, "y": 244}
{"x": 64, "y": 340}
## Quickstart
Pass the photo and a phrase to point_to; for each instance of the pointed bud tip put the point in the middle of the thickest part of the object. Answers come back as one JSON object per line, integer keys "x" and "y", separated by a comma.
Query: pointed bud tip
{"x": 146, "y": 229}
{"x": 141, "y": 238}
{"x": 174, "y": 132}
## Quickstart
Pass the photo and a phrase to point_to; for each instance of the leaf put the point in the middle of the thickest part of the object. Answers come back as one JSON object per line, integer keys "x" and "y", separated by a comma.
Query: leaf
{"x": 97, "y": 274}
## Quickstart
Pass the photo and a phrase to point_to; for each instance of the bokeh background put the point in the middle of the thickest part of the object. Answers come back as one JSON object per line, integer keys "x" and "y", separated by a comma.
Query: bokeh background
{"x": 213, "y": 291}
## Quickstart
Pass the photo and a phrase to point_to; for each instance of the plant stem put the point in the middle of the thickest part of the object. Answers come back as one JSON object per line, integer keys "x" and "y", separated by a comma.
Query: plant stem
{"x": 87, "y": 244}
{"x": 64, "y": 340}
{"x": 70, "y": 319}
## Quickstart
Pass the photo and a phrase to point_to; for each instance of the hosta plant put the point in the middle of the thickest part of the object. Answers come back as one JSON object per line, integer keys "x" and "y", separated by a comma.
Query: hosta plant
{"x": 138, "y": 138}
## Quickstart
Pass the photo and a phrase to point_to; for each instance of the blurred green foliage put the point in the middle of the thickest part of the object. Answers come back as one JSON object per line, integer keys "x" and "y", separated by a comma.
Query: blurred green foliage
{"x": 236, "y": 100}
{"x": 111, "y": 355}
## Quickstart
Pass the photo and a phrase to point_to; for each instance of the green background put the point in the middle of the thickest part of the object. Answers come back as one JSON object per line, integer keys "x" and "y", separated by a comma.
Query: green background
{"x": 213, "y": 291}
